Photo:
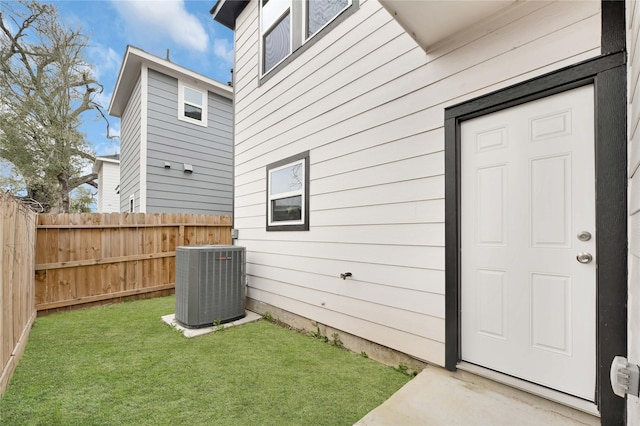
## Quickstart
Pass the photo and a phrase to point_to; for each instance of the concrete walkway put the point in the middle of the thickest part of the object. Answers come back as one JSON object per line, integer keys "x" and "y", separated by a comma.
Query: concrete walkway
{"x": 439, "y": 397}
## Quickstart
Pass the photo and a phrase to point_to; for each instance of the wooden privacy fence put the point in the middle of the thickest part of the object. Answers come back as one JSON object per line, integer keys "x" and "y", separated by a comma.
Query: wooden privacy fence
{"x": 92, "y": 258}
{"x": 17, "y": 302}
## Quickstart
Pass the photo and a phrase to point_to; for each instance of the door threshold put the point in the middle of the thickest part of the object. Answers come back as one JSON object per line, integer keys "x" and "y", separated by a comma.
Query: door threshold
{"x": 531, "y": 388}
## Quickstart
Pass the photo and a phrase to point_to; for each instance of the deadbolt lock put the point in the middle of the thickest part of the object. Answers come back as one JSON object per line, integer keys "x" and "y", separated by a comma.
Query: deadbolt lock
{"x": 584, "y": 236}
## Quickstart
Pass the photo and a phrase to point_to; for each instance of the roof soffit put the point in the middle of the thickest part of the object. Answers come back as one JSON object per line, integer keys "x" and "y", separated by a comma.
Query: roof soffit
{"x": 430, "y": 22}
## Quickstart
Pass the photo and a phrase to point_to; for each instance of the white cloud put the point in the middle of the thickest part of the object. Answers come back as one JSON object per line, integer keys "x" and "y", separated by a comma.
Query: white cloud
{"x": 104, "y": 61}
{"x": 111, "y": 145}
{"x": 114, "y": 130}
{"x": 223, "y": 49}
{"x": 151, "y": 18}
{"x": 103, "y": 99}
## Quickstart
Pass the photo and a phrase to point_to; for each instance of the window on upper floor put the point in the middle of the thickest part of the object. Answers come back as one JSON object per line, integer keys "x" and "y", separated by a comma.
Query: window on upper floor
{"x": 287, "y": 194}
{"x": 192, "y": 104}
{"x": 320, "y": 12}
{"x": 288, "y": 25}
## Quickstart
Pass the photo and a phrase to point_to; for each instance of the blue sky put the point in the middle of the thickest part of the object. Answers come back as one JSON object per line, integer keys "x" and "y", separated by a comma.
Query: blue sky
{"x": 184, "y": 27}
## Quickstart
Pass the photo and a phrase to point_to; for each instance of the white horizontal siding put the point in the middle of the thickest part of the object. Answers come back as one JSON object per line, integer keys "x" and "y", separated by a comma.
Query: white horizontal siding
{"x": 429, "y": 188}
{"x": 418, "y": 256}
{"x": 376, "y": 76}
{"x": 368, "y": 104}
{"x": 108, "y": 180}
{"x": 633, "y": 78}
{"x": 398, "y": 339}
{"x": 431, "y": 211}
{"x": 246, "y": 52}
{"x": 364, "y": 294}
{"x": 376, "y": 314}
{"x": 426, "y": 234}
{"x": 423, "y": 279}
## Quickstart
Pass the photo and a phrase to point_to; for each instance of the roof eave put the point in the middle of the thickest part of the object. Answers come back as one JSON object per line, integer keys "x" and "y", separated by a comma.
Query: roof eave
{"x": 101, "y": 160}
{"x": 225, "y": 12}
{"x": 135, "y": 58}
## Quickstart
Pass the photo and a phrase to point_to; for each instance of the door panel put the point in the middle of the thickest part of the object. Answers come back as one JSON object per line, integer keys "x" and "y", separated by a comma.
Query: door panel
{"x": 527, "y": 191}
{"x": 551, "y": 201}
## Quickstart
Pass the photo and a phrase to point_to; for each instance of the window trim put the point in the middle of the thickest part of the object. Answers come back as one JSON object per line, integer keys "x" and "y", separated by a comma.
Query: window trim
{"x": 303, "y": 224}
{"x": 299, "y": 41}
{"x": 181, "y": 103}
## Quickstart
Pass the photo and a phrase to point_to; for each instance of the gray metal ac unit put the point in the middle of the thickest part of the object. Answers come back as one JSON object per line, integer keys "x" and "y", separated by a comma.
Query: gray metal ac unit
{"x": 209, "y": 284}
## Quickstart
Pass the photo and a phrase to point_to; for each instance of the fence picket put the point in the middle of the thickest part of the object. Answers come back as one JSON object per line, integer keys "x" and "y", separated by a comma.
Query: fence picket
{"x": 17, "y": 297}
{"x": 99, "y": 257}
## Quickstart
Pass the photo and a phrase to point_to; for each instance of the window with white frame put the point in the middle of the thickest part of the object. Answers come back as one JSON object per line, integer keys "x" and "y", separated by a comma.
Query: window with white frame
{"x": 192, "y": 104}
{"x": 287, "y": 194}
{"x": 287, "y": 25}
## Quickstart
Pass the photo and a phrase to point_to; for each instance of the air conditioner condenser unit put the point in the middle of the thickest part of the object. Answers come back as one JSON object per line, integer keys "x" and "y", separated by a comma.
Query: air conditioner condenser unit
{"x": 209, "y": 284}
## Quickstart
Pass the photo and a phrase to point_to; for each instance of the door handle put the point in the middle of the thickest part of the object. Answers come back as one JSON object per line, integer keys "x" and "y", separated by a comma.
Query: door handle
{"x": 584, "y": 257}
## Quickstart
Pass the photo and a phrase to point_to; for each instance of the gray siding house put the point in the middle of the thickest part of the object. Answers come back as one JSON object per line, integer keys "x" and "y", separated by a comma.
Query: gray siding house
{"x": 176, "y": 138}
{"x": 447, "y": 179}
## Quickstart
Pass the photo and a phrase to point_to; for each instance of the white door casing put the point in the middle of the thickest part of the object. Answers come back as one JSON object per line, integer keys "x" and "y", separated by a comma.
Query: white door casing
{"x": 528, "y": 307}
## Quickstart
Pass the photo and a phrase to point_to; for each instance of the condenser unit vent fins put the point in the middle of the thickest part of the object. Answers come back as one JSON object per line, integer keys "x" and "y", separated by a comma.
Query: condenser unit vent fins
{"x": 209, "y": 284}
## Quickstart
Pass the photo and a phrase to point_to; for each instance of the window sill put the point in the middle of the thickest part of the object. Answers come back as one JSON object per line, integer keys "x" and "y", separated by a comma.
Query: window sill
{"x": 278, "y": 228}
{"x": 196, "y": 122}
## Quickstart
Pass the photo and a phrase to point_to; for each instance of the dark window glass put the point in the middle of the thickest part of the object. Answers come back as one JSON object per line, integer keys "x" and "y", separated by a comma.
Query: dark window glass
{"x": 319, "y": 12}
{"x": 286, "y": 209}
{"x": 277, "y": 43}
{"x": 193, "y": 112}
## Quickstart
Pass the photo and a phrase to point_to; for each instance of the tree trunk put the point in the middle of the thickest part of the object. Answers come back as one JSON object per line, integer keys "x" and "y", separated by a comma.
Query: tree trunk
{"x": 63, "y": 192}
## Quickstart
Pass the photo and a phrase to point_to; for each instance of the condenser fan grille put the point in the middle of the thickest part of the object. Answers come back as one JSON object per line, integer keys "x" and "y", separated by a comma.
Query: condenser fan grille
{"x": 209, "y": 285}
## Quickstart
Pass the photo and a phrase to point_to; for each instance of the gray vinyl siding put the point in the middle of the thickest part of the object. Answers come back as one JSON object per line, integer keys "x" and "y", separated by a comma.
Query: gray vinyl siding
{"x": 368, "y": 104}
{"x": 633, "y": 46}
{"x": 130, "y": 150}
{"x": 208, "y": 190}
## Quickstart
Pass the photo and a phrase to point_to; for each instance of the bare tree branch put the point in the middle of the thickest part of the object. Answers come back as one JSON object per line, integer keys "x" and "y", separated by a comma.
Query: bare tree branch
{"x": 89, "y": 179}
{"x": 98, "y": 107}
{"x": 83, "y": 154}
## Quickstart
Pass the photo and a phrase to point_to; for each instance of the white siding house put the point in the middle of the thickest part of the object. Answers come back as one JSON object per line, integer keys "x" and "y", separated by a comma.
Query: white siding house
{"x": 108, "y": 170}
{"x": 373, "y": 196}
{"x": 176, "y": 138}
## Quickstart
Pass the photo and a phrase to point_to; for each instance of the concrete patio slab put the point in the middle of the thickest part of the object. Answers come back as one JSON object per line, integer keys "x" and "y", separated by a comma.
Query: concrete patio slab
{"x": 439, "y": 397}
{"x": 194, "y": 332}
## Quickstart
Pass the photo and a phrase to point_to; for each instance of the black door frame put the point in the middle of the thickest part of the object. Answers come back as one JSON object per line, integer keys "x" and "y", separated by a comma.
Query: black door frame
{"x": 607, "y": 73}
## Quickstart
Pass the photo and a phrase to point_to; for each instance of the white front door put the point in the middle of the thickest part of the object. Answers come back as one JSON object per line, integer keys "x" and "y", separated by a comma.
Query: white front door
{"x": 528, "y": 211}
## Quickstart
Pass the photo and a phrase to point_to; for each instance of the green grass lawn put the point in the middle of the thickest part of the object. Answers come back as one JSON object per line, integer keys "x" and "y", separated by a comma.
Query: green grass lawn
{"x": 121, "y": 364}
